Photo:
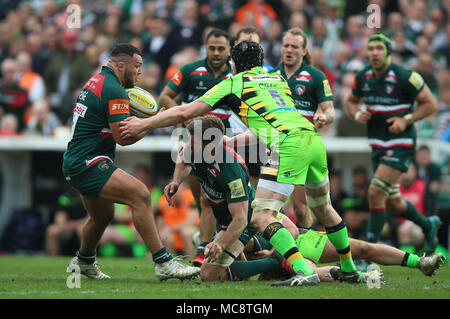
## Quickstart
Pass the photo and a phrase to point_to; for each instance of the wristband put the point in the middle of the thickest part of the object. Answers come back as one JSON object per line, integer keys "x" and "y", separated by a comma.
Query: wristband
{"x": 357, "y": 115}
{"x": 409, "y": 118}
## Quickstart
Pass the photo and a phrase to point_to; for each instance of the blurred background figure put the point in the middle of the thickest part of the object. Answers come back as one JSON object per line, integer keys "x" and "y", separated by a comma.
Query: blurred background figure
{"x": 43, "y": 120}
{"x": 356, "y": 207}
{"x": 410, "y": 235}
{"x": 178, "y": 223}
{"x": 66, "y": 71}
{"x": 430, "y": 173}
{"x": 13, "y": 98}
{"x": 63, "y": 235}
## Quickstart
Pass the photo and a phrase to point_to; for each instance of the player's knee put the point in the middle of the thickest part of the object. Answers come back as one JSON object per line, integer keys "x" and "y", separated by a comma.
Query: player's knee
{"x": 395, "y": 206}
{"x": 364, "y": 250}
{"x": 142, "y": 197}
{"x": 207, "y": 274}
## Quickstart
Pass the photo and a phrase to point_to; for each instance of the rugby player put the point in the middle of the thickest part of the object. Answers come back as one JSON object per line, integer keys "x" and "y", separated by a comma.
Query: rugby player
{"x": 389, "y": 93}
{"x": 264, "y": 103}
{"x": 88, "y": 166}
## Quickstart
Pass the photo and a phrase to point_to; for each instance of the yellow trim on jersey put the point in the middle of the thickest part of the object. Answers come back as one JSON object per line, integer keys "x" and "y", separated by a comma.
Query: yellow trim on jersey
{"x": 257, "y": 106}
{"x": 243, "y": 112}
{"x": 248, "y": 90}
{"x": 268, "y": 116}
{"x": 281, "y": 128}
{"x": 270, "y": 171}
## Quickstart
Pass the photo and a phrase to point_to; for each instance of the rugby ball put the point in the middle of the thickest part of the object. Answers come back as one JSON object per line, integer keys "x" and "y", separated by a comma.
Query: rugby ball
{"x": 142, "y": 103}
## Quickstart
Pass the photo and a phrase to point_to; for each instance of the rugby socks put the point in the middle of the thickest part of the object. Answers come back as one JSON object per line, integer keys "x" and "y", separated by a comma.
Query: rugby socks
{"x": 240, "y": 270}
{"x": 338, "y": 236}
{"x": 410, "y": 260}
{"x": 85, "y": 258}
{"x": 162, "y": 256}
{"x": 280, "y": 238}
{"x": 375, "y": 225}
{"x": 201, "y": 248}
{"x": 411, "y": 213}
{"x": 259, "y": 243}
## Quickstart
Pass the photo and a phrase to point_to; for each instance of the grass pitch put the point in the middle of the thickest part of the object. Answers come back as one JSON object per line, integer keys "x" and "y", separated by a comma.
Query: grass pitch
{"x": 45, "y": 278}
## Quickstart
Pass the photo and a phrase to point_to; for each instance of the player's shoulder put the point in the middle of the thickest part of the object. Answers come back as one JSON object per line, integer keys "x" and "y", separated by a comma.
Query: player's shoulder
{"x": 365, "y": 72}
{"x": 401, "y": 72}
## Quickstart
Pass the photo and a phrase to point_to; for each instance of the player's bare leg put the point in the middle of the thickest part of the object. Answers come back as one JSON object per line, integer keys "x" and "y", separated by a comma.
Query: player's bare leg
{"x": 319, "y": 200}
{"x": 265, "y": 209}
{"x": 301, "y": 208}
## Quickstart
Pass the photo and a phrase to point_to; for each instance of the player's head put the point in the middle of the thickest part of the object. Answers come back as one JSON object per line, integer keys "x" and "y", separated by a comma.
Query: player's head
{"x": 247, "y": 55}
{"x": 249, "y": 33}
{"x": 379, "y": 50}
{"x": 126, "y": 59}
{"x": 206, "y": 134}
{"x": 217, "y": 48}
{"x": 294, "y": 48}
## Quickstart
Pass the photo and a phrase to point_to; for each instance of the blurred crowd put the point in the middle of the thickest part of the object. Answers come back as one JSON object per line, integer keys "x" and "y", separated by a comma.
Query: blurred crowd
{"x": 46, "y": 56}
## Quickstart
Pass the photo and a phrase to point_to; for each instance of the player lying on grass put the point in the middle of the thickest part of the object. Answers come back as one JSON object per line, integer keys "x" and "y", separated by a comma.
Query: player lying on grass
{"x": 317, "y": 249}
{"x": 226, "y": 183}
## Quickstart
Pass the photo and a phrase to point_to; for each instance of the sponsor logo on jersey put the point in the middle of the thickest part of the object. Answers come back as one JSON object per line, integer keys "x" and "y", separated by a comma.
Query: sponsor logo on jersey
{"x": 326, "y": 88}
{"x": 416, "y": 80}
{"x": 303, "y": 76}
{"x": 95, "y": 85}
{"x": 236, "y": 188}
{"x": 264, "y": 78}
{"x": 300, "y": 89}
{"x": 177, "y": 77}
{"x": 366, "y": 87}
{"x": 119, "y": 106}
{"x": 80, "y": 109}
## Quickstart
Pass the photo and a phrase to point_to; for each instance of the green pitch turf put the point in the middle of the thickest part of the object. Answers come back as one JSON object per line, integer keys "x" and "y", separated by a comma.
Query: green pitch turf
{"x": 45, "y": 278}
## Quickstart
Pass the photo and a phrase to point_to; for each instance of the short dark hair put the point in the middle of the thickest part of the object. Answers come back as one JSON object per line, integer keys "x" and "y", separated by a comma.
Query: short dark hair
{"x": 248, "y": 30}
{"x": 206, "y": 122}
{"x": 125, "y": 49}
{"x": 218, "y": 33}
{"x": 247, "y": 55}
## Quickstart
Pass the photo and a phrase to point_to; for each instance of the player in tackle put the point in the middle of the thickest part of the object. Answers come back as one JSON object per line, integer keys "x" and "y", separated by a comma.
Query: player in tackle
{"x": 88, "y": 166}
{"x": 389, "y": 92}
{"x": 264, "y": 103}
{"x": 317, "y": 249}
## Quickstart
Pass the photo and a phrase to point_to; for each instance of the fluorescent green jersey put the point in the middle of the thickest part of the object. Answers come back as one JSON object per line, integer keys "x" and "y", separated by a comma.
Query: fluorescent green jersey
{"x": 263, "y": 101}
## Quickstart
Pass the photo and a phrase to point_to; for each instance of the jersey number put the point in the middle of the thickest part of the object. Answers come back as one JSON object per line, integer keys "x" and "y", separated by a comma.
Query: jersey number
{"x": 278, "y": 99}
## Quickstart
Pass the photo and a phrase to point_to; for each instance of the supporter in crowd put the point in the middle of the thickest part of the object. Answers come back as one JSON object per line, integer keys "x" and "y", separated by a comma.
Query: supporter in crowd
{"x": 68, "y": 220}
{"x": 430, "y": 173}
{"x": 43, "y": 121}
{"x": 356, "y": 207}
{"x": 13, "y": 98}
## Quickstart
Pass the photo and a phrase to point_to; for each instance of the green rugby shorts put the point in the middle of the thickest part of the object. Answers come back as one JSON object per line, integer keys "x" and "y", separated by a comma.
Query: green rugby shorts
{"x": 92, "y": 179}
{"x": 398, "y": 157}
{"x": 311, "y": 244}
{"x": 300, "y": 159}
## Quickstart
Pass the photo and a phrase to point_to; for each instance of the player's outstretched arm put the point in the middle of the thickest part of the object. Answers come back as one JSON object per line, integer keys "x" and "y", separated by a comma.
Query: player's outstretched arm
{"x": 133, "y": 126}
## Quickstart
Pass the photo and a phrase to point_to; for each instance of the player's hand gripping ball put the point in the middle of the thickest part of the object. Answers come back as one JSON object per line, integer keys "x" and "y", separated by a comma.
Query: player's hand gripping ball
{"x": 142, "y": 103}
